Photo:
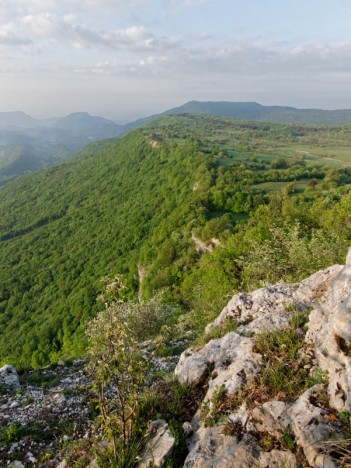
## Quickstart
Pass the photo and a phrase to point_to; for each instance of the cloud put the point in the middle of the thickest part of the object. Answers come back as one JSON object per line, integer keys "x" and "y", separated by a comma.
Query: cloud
{"x": 45, "y": 29}
{"x": 240, "y": 58}
{"x": 139, "y": 49}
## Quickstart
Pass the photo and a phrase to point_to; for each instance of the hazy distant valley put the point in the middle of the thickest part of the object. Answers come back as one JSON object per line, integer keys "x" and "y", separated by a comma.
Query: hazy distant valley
{"x": 28, "y": 144}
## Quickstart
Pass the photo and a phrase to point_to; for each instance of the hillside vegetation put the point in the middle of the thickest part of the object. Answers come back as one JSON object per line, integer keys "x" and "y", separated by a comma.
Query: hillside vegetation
{"x": 138, "y": 209}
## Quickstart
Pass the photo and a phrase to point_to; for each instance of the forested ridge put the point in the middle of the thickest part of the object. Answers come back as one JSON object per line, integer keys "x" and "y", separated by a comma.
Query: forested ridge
{"x": 118, "y": 207}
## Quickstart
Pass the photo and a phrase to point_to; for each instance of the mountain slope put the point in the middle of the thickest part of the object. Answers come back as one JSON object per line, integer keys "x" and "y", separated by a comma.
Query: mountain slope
{"x": 136, "y": 204}
{"x": 17, "y": 119}
{"x": 64, "y": 229}
{"x": 28, "y": 144}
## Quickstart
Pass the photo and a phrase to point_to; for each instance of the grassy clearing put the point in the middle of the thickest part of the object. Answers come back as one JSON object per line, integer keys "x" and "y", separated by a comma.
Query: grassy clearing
{"x": 330, "y": 154}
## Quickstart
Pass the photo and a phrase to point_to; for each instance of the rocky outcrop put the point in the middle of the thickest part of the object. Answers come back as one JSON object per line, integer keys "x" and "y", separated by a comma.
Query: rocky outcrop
{"x": 228, "y": 361}
{"x": 9, "y": 378}
{"x": 330, "y": 333}
{"x": 212, "y": 448}
{"x": 268, "y": 309}
{"x": 274, "y": 432}
{"x": 311, "y": 426}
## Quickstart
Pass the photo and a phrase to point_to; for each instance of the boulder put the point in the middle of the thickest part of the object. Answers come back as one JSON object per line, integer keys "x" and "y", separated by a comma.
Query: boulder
{"x": 9, "y": 378}
{"x": 159, "y": 446}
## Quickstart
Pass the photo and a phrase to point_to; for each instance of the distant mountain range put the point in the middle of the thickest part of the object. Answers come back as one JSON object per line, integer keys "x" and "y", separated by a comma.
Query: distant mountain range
{"x": 255, "y": 111}
{"x": 28, "y": 144}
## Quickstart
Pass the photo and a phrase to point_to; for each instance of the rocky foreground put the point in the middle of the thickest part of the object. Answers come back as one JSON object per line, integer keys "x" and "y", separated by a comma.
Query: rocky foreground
{"x": 45, "y": 411}
{"x": 41, "y": 411}
{"x": 247, "y": 421}
{"x": 277, "y": 389}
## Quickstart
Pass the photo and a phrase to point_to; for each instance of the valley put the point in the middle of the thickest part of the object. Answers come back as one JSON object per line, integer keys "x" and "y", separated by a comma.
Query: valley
{"x": 136, "y": 203}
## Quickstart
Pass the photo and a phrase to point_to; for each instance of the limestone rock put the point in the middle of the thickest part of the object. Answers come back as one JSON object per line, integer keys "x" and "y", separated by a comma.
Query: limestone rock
{"x": 268, "y": 308}
{"x": 229, "y": 361}
{"x": 330, "y": 334}
{"x": 317, "y": 285}
{"x": 269, "y": 323}
{"x": 9, "y": 378}
{"x": 246, "y": 308}
{"x": 272, "y": 417}
{"x": 311, "y": 427}
{"x": 159, "y": 446}
{"x": 212, "y": 448}
{"x": 278, "y": 459}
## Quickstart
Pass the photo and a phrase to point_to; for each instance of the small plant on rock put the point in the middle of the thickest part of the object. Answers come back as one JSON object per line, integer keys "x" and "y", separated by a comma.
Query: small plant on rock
{"x": 212, "y": 409}
{"x": 288, "y": 439}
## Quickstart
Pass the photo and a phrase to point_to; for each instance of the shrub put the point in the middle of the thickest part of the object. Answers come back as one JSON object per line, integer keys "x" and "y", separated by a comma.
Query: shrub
{"x": 146, "y": 319}
{"x": 289, "y": 254}
{"x": 118, "y": 371}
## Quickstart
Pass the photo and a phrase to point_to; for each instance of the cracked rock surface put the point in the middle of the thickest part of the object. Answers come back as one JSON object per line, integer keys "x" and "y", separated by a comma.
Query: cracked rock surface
{"x": 292, "y": 432}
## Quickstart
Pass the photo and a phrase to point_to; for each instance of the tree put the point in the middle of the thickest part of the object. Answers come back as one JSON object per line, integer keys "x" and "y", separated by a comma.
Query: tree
{"x": 279, "y": 163}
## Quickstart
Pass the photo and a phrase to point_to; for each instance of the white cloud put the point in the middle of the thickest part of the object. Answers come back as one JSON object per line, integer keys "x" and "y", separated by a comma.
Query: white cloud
{"x": 45, "y": 29}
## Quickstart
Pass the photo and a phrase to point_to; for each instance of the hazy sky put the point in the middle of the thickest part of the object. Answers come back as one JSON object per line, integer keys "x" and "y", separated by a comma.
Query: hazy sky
{"x": 126, "y": 59}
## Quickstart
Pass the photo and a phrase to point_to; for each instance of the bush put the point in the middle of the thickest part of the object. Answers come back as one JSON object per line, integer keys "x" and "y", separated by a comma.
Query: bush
{"x": 118, "y": 371}
{"x": 290, "y": 255}
{"x": 146, "y": 319}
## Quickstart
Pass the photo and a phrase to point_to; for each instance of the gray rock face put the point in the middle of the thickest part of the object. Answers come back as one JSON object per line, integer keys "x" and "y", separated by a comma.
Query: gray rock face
{"x": 212, "y": 448}
{"x": 267, "y": 309}
{"x": 9, "y": 378}
{"x": 159, "y": 446}
{"x": 272, "y": 417}
{"x": 228, "y": 361}
{"x": 330, "y": 334}
{"x": 312, "y": 427}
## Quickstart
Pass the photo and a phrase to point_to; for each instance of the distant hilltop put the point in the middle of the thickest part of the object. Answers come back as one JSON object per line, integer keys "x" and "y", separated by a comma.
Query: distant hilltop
{"x": 28, "y": 144}
{"x": 255, "y": 111}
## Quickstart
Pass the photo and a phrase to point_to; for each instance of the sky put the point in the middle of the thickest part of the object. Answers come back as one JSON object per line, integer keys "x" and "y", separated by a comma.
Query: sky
{"x": 126, "y": 59}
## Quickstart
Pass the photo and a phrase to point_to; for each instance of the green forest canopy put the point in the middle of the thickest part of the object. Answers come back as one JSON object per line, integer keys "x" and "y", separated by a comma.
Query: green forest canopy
{"x": 263, "y": 191}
